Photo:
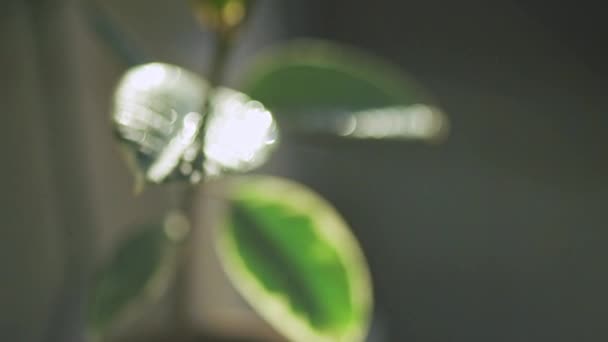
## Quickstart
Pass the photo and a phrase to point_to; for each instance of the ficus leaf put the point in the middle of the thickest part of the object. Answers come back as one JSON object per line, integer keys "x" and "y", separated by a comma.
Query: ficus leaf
{"x": 138, "y": 270}
{"x": 158, "y": 116}
{"x": 241, "y": 134}
{"x": 291, "y": 255}
{"x": 319, "y": 87}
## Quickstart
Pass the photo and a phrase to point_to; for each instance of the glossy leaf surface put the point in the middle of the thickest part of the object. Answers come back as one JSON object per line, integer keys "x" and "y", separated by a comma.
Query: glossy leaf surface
{"x": 241, "y": 134}
{"x": 295, "y": 260}
{"x": 158, "y": 115}
{"x": 317, "y": 87}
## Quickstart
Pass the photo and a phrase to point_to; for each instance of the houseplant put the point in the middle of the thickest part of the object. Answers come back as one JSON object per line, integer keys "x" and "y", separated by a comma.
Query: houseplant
{"x": 285, "y": 249}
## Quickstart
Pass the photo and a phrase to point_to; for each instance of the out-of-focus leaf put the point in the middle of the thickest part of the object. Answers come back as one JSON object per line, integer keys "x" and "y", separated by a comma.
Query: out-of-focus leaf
{"x": 320, "y": 88}
{"x": 291, "y": 255}
{"x": 241, "y": 134}
{"x": 138, "y": 270}
{"x": 158, "y": 116}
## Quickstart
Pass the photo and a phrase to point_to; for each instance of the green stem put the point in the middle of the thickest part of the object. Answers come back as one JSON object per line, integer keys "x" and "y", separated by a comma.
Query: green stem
{"x": 219, "y": 61}
{"x": 112, "y": 34}
{"x": 188, "y": 206}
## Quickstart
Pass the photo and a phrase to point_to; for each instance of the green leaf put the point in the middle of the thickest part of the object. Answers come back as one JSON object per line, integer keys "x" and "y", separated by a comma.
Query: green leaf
{"x": 318, "y": 87}
{"x": 241, "y": 134}
{"x": 158, "y": 115}
{"x": 138, "y": 270}
{"x": 291, "y": 255}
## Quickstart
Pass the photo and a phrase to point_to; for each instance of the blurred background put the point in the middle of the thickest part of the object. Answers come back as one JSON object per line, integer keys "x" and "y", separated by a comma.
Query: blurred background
{"x": 498, "y": 234}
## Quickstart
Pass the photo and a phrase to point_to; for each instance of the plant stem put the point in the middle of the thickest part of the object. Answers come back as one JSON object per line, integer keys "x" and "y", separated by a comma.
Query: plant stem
{"x": 111, "y": 33}
{"x": 219, "y": 61}
{"x": 183, "y": 281}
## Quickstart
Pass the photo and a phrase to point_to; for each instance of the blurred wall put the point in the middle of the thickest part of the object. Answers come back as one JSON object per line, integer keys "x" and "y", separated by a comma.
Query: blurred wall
{"x": 44, "y": 200}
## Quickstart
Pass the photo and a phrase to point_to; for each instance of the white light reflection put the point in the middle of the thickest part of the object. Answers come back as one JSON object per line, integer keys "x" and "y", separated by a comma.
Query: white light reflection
{"x": 241, "y": 133}
{"x": 148, "y": 76}
{"x": 348, "y": 126}
{"x": 414, "y": 122}
{"x": 405, "y": 122}
{"x": 156, "y": 109}
{"x": 173, "y": 152}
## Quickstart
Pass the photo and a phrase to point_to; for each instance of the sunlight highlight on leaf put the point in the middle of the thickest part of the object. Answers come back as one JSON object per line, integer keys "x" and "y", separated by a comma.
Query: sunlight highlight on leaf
{"x": 296, "y": 262}
{"x": 158, "y": 116}
{"x": 241, "y": 133}
{"x": 321, "y": 88}
{"x": 414, "y": 122}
